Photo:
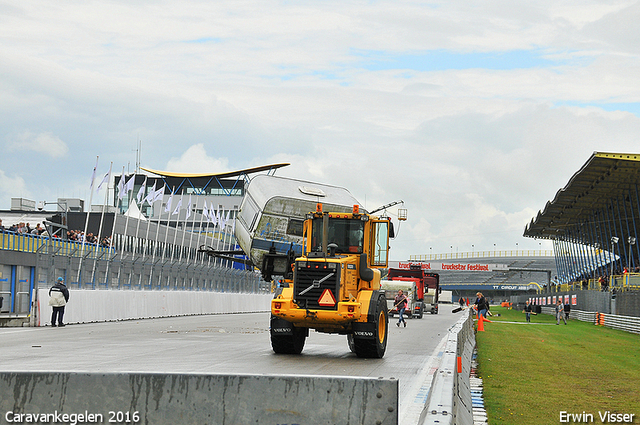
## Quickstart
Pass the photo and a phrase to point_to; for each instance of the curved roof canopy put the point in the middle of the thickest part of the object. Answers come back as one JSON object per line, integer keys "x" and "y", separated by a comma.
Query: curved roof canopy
{"x": 218, "y": 175}
{"x": 603, "y": 178}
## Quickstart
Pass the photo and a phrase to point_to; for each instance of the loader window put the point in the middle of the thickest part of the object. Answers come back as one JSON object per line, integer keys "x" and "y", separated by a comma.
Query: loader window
{"x": 380, "y": 244}
{"x": 348, "y": 234}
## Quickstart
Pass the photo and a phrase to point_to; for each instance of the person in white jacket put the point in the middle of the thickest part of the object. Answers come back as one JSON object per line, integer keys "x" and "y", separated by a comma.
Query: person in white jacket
{"x": 58, "y": 298}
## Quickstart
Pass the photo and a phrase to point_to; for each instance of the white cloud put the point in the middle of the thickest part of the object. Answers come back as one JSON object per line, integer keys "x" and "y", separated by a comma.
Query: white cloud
{"x": 41, "y": 143}
{"x": 13, "y": 187}
{"x": 196, "y": 160}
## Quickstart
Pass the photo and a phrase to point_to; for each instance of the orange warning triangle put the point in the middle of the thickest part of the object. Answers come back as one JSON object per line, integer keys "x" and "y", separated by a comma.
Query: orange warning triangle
{"x": 327, "y": 299}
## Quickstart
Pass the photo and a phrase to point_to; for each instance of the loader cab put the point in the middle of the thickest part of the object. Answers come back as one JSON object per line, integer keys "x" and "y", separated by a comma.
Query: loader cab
{"x": 348, "y": 234}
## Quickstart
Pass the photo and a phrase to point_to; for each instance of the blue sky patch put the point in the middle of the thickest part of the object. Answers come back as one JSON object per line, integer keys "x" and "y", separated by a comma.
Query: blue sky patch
{"x": 632, "y": 107}
{"x": 441, "y": 60}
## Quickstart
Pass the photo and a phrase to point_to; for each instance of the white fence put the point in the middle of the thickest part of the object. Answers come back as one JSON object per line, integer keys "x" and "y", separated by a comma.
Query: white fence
{"x": 110, "y": 305}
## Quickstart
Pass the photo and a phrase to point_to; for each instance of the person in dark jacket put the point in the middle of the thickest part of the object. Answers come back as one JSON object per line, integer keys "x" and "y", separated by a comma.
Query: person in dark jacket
{"x": 401, "y": 304}
{"x": 58, "y": 298}
{"x": 528, "y": 309}
{"x": 567, "y": 310}
{"x": 482, "y": 304}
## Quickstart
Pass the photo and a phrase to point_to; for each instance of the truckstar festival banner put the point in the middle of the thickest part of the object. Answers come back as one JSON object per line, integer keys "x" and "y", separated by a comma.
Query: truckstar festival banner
{"x": 465, "y": 267}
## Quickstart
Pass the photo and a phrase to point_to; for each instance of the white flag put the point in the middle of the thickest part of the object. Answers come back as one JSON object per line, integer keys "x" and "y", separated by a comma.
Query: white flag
{"x": 168, "y": 207}
{"x": 93, "y": 175}
{"x": 141, "y": 191}
{"x": 121, "y": 185}
{"x": 105, "y": 179}
{"x": 130, "y": 183}
{"x": 158, "y": 194}
{"x": 188, "y": 208}
{"x": 149, "y": 198}
{"x": 178, "y": 206}
{"x": 128, "y": 186}
{"x": 205, "y": 213}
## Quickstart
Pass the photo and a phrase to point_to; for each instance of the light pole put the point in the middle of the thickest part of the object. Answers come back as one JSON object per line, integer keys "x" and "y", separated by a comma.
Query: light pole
{"x": 614, "y": 240}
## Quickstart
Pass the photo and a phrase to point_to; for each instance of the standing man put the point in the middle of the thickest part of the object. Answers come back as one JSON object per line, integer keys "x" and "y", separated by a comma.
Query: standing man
{"x": 528, "y": 309}
{"x": 58, "y": 298}
{"x": 560, "y": 313}
{"x": 401, "y": 304}
{"x": 567, "y": 310}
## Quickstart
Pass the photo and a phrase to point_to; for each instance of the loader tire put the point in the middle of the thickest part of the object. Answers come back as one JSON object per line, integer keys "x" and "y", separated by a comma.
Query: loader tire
{"x": 289, "y": 344}
{"x": 376, "y": 347}
{"x": 351, "y": 344}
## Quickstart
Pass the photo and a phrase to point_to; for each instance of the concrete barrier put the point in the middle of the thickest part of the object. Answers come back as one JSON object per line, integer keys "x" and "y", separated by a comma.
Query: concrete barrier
{"x": 449, "y": 400}
{"x": 100, "y": 306}
{"x": 139, "y": 398}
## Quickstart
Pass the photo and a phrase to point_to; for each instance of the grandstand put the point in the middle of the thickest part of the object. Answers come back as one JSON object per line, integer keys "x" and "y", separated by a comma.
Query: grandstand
{"x": 497, "y": 274}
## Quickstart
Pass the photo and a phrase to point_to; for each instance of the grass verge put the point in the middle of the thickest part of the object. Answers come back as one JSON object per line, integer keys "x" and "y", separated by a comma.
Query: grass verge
{"x": 532, "y": 372}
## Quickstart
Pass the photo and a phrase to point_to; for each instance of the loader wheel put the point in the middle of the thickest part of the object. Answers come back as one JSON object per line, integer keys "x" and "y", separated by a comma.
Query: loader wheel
{"x": 351, "y": 344}
{"x": 289, "y": 344}
{"x": 376, "y": 347}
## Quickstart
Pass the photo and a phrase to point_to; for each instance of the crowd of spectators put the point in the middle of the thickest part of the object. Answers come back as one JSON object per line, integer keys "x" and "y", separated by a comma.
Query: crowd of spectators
{"x": 78, "y": 236}
{"x": 23, "y": 228}
{"x": 38, "y": 230}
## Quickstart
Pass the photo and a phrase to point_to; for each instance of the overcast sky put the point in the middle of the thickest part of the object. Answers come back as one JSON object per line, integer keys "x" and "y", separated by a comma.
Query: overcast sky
{"x": 473, "y": 113}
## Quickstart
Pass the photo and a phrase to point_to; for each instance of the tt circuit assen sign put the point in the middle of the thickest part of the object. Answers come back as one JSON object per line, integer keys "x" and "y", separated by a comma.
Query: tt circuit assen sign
{"x": 457, "y": 267}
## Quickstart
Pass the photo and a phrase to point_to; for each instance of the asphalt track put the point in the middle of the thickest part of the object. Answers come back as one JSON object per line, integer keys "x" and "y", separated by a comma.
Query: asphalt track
{"x": 227, "y": 344}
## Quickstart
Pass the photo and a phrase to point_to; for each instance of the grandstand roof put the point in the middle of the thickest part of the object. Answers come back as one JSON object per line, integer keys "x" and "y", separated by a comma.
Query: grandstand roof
{"x": 603, "y": 178}
{"x": 219, "y": 175}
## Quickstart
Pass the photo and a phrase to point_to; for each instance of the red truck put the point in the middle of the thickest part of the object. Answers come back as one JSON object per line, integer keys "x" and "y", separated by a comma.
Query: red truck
{"x": 427, "y": 288}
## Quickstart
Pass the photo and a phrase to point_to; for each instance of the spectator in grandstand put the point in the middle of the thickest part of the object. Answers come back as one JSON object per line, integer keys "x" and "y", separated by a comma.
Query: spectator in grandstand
{"x": 604, "y": 283}
{"x": 567, "y": 310}
{"x": 38, "y": 230}
{"x": 560, "y": 313}
{"x": 482, "y": 304}
{"x": 1, "y": 226}
{"x": 58, "y": 298}
{"x": 13, "y": 228}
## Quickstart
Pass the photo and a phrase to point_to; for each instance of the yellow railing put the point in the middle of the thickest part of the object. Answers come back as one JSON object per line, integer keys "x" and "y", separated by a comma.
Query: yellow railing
{"x": 483, "y": 254}
{"x": 32, "y": 243}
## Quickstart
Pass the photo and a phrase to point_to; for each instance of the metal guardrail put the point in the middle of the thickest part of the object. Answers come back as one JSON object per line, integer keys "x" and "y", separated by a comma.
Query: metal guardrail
{"x": 623, "y": 323}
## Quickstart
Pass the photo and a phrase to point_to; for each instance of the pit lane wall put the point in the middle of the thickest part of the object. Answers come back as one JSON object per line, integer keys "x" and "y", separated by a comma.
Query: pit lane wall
{"x": 158, "y": 399}
{"x": 87, "y": 306}
{"x": 449, "y": 401}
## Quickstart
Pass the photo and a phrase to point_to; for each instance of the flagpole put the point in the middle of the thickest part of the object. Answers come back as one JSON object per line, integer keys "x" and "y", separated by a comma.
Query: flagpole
{"x": 140, "y": 199}
{"x": 175, "y": 234}
{"x": 166, "y": 234}
{"x": 184, "y": 227}
{"x": 113, "y": 231}
{"x": 191, "y": 234}
{"x": 86, "y": 223}
{"x": 155, "y": 244}
{"x": 124, "y": 191}
{"x": 204, "y": 207}
{"x": 95, "y": 258}
{"x": 221, "y": 224}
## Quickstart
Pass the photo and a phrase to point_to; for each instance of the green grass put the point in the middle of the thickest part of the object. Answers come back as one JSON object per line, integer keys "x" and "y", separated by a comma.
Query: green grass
{"x": 532, "y": 372}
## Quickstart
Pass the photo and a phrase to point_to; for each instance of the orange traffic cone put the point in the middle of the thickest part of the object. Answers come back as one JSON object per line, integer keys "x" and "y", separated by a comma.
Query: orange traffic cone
{"x": 480, "y": 323}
